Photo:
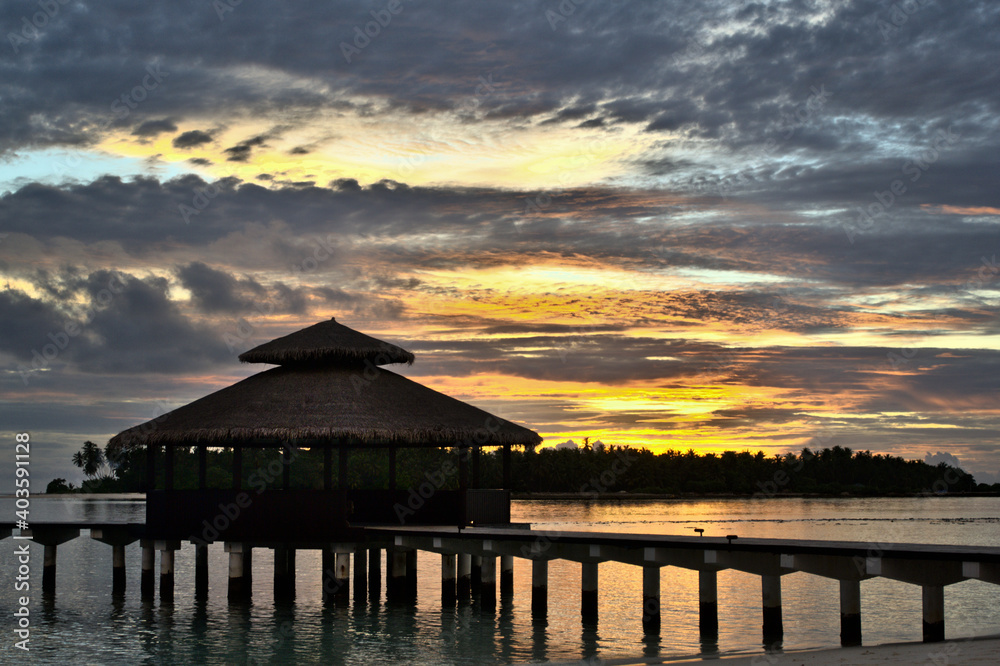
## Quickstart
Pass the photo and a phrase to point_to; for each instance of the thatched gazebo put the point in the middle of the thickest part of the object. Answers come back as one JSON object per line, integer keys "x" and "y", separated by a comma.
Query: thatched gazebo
{"x": 328, "y": 392}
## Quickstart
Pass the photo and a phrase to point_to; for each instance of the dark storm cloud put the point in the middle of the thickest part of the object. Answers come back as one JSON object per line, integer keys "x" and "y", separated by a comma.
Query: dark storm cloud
{"x": 191, "y": 139}
{"x": 155, "y": 127}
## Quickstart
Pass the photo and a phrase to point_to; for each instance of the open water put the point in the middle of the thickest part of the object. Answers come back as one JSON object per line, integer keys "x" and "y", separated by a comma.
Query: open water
{"x": 83, "y": 624}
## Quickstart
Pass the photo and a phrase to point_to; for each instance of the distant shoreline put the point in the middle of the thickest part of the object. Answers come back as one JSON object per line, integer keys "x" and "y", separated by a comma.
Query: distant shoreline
{"x": 704, "y": 496}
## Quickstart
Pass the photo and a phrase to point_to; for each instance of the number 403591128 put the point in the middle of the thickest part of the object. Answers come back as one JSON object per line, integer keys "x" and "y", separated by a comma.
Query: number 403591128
{"x": 22, "y": 451}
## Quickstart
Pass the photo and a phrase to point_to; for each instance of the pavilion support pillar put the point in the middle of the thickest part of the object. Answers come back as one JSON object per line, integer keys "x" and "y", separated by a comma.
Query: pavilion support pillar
{"x": 118, "y": 570}
{"x": 488, "y": 581}
{"x": 449, "y": 579}
{"x": 411, "y": 574}
{"x": 539, "y": 588}
{"x": 392, "y": 468}
{"x": 464, "y": 581}
{"x": 507, "y": 476}
{"x": 708, "y": 604}
{"x": 202, "y": 467}
{"x": 588, "y": 592}
{"x": 374, "y": 574}
{"x": 933, "y": 598}
{"x": 395, "y": 582}
{"x": 151, "y": 451}
{"x": 773, "y": 629}
{"x": 850, "y": 612}
{"x": 167, "y": 550}
{"x": 342, "y": 453}
{"x": 284, "y": 574}
{"x": 477, "y": 479}
{"x": 327, "y": 468}
{"x": 168, "y": 468}
{"x": 477, "y": 574}
{"x": 651, "y": 599}
{"x": 248, "y": 567}
{"x": 147, "y": 582}
{"x": 49, "y": 569}
{"x": 360, "y": 574}
{"x": 463, "y": 485}
{"x": 201, "y": 571}
{"x": 342, "y": 578}
{"x": 239, "y": 587}
{"x": 506, "y": 575}
{"x": 237, "y": 468}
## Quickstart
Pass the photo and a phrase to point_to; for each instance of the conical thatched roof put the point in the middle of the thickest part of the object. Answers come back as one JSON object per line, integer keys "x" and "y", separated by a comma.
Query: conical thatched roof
{"x": 333, "y": 400}
{"x": 326, "y": 342}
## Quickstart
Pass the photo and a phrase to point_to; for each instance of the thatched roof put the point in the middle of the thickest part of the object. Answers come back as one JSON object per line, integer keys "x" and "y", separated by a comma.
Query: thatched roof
{"x": 327, "y": 342}
{"x": 336, "y": 405}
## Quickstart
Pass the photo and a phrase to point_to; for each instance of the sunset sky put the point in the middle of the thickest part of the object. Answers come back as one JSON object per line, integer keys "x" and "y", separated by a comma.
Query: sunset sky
{"x": 710, "y": 225}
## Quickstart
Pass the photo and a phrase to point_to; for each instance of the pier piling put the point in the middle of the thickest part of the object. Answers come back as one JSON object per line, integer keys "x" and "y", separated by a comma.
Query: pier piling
{"x": 49, "y": 570}
{"x": 488, "y": 585}
{"x": 449, "y": 582}
{"x": 588, "y": 592}
{"x": 506, "y": 575}
{"x": 239, "y": 588}
{"x": 118, "y": 571}
{"x": 411, "y": 574}
{"x": 850, "y": 612}
{"x": 651, "y": 599}
{"x": 773, "y": 629}
{"x": 147, "y": 583}
{"x": 464, "y": 580}
{"x": 539, "y": 588}
{"x": 284, "y": 573}
{"x": 167, "y": 550}
{"x": 360, "y": 574}
{"x": 342, "y": 577}
{"x": 201, "y": 572}
{"x": 708, "y": 604}
{"x": 933, "y": 602}
{"x": 395, "y": 581}
{"x": 374, "y": 575}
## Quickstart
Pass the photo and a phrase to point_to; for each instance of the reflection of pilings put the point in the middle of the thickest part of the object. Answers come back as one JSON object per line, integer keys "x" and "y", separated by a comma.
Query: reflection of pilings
{"x": 850, "y": 612}
{"x": 539, "y": 588}
{"x": 708, "y": 604}
{"x": 488, "y": 584}
{"x": 588, "y": 592}
{"x": 374, "y": 574}
{"x": 773, "y": 629}
{"x": 464, "y": 580}
{"x": 449, "y": 575}
{"x": 506, "y": 574}
{"x": 147, "y": 583}
{"x": 933, "y": 602}
{"x": 284, "y": 573}
{"x": 651, "y": 599}
{"x": 360, "y": 574}
{"x": 201, "y": 571}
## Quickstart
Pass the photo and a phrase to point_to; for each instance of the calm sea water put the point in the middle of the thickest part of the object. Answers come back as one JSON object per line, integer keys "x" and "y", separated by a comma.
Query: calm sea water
{"x": 84, "y": 625}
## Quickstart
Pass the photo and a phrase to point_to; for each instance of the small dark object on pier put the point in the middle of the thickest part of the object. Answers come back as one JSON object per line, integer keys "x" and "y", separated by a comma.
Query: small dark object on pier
{"x": 699, "y": 530}
{"x": 730, "y": 537}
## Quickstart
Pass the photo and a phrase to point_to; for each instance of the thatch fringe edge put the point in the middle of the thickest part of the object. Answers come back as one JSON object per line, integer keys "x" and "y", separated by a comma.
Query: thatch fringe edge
{"x": 229, "y": 436}
{"x": 378, "y": 356}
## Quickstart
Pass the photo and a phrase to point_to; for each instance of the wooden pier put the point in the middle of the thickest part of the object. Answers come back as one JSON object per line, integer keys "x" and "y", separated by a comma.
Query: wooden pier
{"x": 475, "y": 559}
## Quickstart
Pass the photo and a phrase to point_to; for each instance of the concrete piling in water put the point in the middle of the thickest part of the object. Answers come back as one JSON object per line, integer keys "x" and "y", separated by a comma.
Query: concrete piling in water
{"x": 850, "y": 612}
{"x": 588, "y": 592}
{"x": 477, "y": 574}
{"x": 651, "y": 599}
{"x": 933, "y": 606}
{"x": 411, "y": 574}
{"x": 539, "y": 588}
{"x": 488, "y": 584}
{"x": 201, "y": 571}
{"x": 167, "y": 550}
{"x": 374, "y": 575}
{"x": 239, "y": 588}
{"x": 449, "y": 579}
{"x": 118, "y": 571}
{"x": 464, "y": 581}
{"x": 708, "y": 604}
{"x": 117, "y": 537}
{"x": 342, "y": 577}
{"x": 147, "y": 582}
{"x": 49, "y": 570}
{"x": 395, "y": 581}
{"x": 506, "y": 575}
{"x": 284, "y": 574}
{"x": 360, "y": 574}
{"x": 248, "y": 569}
{"x": 773, "y": 629}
